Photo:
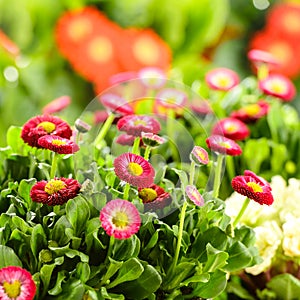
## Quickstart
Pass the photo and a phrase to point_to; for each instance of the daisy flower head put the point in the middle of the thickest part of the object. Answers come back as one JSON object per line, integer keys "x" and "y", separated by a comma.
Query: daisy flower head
{"x": 120, "y": 219}
{"x": 231, "y": 128}
{"x": 82, "y": 126}
{"x": 116, "y": 104}
{"x": 57, "y": 191}
{"x": 152, "y": 140}
{"x": 199, "y": 155}
{"x": 154, "y": 197}
{"x": 152, "y": 77}
{"x": 57, "y": 105}
{"x": 42, "y": 125}
{"x": 58, "y": 144}
{"x": 171, "y": 98}
{"x": 222, "y": 79}
{"x": 258, "y": 57}
{"x": 278, "y": 86}
{"x": 136, "y": 124}
{"x": 122, "y": 77}
{"x": 16, "y": 283}
{"x": 134, "y": 169}
{"x": 125, "y": 139}
{"x": 223, "y": 145}
{"x": 254, "y": 187}
{"x": 194, "y": 195}
{"x": 251, "y": 112}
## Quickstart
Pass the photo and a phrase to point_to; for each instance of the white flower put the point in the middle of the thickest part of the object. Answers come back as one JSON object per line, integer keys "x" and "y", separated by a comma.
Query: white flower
{"x": 268, "y": 239}
{"x": 291, "y": 236}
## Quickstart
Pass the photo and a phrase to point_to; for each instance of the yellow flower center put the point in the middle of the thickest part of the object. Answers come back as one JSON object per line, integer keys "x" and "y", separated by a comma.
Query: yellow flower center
{"x": 100, "y": 49}
{"x": 47, "y": 126}
{"x": 120, "y": 219}
{"x": 139, "y": 122}
{"x": 148, "y": 194}
{"x": 200, "y": 154}
{"x": 79, "y": 29}
{"x": 225, "y": 145}
{"x": 252, "y": 110}
{"x": 12, "y": 290}
{"x": 222, "y": 81}
{"x": 277, "y": 87}
{"x": 146, "y": 51}
{"x": 58, "y": 142}
{"x": 230, "y": 127}
{"x": 135, "y": 169}
{"x": 54, "y": 186}
{"x": 255, "y": 187}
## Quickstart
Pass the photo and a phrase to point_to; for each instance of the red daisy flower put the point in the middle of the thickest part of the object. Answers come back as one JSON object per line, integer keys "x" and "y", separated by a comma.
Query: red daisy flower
{"x": 136, "y": 124}
{"x": 134, "y": 169}
{"x": 58, "y": 144}
{"x": 199, "y": 156}
{"x": 116, "y": 104}
{"x": 231, "y": 128}
{"x": 202, "y": 107}
{"x": 194, "y": 195}
{"x": 279, "y": 86}
{"x": 152, "y": 140}
{"x": 44, "y": 125}
{"x": 222, "y": 79}
{"x": 254, "y": 187}
{"x": 125, "y": 139}
{"x": 57, "y": 191}
{"x": 57, "y": 105}
{"x": 223, "y": 145}
{"x": 251, "y": 112}
{"x": 16, "y": 283}
{"x": 120, "y": 219}
{"x": 143, "y": 48}
{"x": 154, "y": 197}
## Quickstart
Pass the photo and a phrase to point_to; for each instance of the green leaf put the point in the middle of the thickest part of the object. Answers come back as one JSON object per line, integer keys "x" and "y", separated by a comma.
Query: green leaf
{"x": 124, "y": 249}
{"x": 57, "y": 289}
{"x": 15, "y": 141}
{"x": 113, "y": 267}
{"x": 78, "y": 213}
{"x": 183, "y": 179}
{"x": 71, "y": 253}
{"x": 8, "y": 257}
{"x": 83, "y": 272}
{"x": 58, "y": 232}
{"x": 24, "y": 190}
{"x": 216, "y": 259}
{"x": 72, "y": 289}
{"x": 38, "y": 240}
{"x": 286, "y": 286}
{"x": 110, "y": 296}
{"x": 196, "y": 278}
{"x": 130, "y": 270}
{"x": 46, "y": 274}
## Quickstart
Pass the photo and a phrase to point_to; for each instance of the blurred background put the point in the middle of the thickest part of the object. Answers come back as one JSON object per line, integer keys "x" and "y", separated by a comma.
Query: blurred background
{"x": 49, "y": 49}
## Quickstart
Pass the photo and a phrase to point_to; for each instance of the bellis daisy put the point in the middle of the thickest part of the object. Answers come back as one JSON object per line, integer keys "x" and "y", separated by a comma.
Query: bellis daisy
{"x": 134, "y": 169}
{"x": 44, "y": 125}
{"x": 194, "y": 195}
{"x": 171, "y": 98}
{"x": 16, "y": 283}
{"x": 199, "y": 156}
{"x": 223, "y": 145}
{"x": 151, "y": 77}
{"x": 57, "y": 191}
{"x": 120, "y": 219}
{"x": 152, "y": 140}
{"x": 58, "y": 144}
{"x": 57, "y": 105}
{"x": 222, "y": 79}
{"x": 116, "y": 104}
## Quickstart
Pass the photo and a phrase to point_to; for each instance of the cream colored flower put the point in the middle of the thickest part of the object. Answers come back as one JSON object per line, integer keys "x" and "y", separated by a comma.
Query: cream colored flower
{"x": 291, "y": 236}
{"x": 268, "y": 239}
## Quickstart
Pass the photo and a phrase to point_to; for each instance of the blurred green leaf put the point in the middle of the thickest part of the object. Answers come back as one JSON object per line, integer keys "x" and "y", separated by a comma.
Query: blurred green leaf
{"x": 8, "y": 257}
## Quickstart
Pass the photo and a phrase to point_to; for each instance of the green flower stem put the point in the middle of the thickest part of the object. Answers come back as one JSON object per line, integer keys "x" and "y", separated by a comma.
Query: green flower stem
{"x": 54, "y": 165}
{"x": 136, "y": 144}
{"x": 217, "y": 178}
{"x": 126, "y": 191}
{"x": 262, "y": 71}
{"x": 241, "y": 212}
{"x": 192, "y": 173}
{"x": 179, "y": 238}
{"x": 147, "y": 152}
{"x": 105, "y": 128}
{"x": 230, "y": 166}
{"x": 170, "y": 132}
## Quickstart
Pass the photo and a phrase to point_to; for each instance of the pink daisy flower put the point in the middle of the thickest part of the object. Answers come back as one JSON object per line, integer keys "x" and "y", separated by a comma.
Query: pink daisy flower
{"x": 222, "y": 79}
{"x": 125, "y": 139}
{"x": 116, "y": 104}
{"x": 254, "y": 187}
{"x": 100, "y": 116}
{"x": 171, "y": 98}
{"x": 134, "y": 169}
{"x": 122, "y": 77}
{"x": 194, "y": 195}
{"x": 152, "y": 140}
{"x": 16, "y": 283}
{"x": 279, "y": 86}
{"x": 231, "y": 128}
{"x": 57, "y": 105}
{"x": 152, "y": 77}
{"x": 120, "y": 219}
{"x": 199, "y": 156}
{"x": 154, "y": 197}
{"x": 223, "y": 145}
{"x": 262, "y": 57}
{"x": 201, "y": 107}
{"x": 58, "y": 144}
{"x": 44, "y": 125}
{"x": 82, "y": 126}
{"x": 136, "y": 124}
{"x": 252, "y": 112}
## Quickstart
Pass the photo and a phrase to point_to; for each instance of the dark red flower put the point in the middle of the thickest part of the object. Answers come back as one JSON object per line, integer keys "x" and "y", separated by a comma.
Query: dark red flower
{"x": 231, "y": 128}
{"x": 136, "y": 124}
{"x": 44, "y": 125}
{"x": 154, "y": 197}
{"x": 223, "y": 145}
{"x": 254, "y": 187}
{"x": 252, "y": 112}
{"x": 58, "y": 144}
{"x": 57, "y": 191}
